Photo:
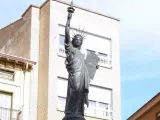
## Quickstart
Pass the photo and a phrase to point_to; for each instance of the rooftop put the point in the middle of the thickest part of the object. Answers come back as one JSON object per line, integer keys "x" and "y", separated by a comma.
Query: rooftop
{"x": 76, "y": 6}
{"x": 145, "y": 107}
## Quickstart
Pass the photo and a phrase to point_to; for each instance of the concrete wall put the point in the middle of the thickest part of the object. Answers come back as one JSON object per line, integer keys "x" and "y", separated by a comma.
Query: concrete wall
{"x": 15, "y": 38}
{"x": 34, "y": 56}
{"x": 43, "y": 62}
{"x": 47, "y": 64}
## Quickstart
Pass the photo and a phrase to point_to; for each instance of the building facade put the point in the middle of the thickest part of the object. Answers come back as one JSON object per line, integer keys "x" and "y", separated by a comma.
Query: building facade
{"x": 37, "y": 39}
{"x": 149, "y": 111}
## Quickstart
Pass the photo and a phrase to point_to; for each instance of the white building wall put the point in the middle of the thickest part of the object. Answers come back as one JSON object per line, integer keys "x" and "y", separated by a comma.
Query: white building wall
{"x": 34, "y": 56}
{"x": 96, "y": 25}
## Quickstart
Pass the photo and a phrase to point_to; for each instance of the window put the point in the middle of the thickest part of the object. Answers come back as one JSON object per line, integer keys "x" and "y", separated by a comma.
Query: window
{"x": 102, "y": 102}
{"x": 61, "y": 93}
{"x": 61, "y": 103}
{"x": 62, "y": 87}
{"x": 103, "y": 109}
{"x": 158, "y": 116}
{"x": 61, "y": 50}
{"x": 97, "y": 109}
{"x": 91, "y": 110}
{"x": 6, "y": 75}
{"x": 5, "y": 106}
{"x": 61, "y": 40}
{"x": 104, "y": 58}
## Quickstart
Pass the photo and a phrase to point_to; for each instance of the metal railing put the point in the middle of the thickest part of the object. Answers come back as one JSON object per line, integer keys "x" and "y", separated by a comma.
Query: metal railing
{"x": 91, "y": 111}
{"x": 98, "y": 113}
{"x": 10, "y": 114}
{"x": 104, "y": 61}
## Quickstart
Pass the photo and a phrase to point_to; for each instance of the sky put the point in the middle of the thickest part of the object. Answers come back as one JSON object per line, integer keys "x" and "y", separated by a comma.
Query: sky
{"x": 139, "y": 43}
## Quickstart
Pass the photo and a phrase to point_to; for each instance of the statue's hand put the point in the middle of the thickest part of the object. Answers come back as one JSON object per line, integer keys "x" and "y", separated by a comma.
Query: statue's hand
{"x": 71, "y": 9}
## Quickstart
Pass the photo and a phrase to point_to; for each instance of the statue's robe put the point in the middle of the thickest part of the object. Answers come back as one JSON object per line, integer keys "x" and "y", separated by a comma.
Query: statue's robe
{"x": 78, "y": 81}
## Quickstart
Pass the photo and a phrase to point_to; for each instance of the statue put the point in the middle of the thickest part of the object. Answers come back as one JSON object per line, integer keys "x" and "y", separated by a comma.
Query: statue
{"x": 78, "y": 74}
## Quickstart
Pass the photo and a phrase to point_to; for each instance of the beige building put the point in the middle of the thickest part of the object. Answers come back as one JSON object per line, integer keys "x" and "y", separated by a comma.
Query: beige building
{"x": 33, "y": 77}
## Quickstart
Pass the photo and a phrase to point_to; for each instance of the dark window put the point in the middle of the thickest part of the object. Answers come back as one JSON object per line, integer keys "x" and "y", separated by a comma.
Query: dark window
{"x": 158, "y": 116}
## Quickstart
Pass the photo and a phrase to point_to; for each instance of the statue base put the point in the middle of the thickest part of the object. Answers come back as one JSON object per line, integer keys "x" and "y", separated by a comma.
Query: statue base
{"x": 71, "y": 117}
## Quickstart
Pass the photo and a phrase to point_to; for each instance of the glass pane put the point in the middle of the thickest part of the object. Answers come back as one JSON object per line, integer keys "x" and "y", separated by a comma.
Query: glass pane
{"x": 61, "y": 40}
{"x": 92, "y": 104}
{"x": 5, "y": 106}
{"x": 91, "y": 110}
{"x": 103, "y": 105}
{"x": 61, "y": 103}
{"x": 103, "y": 109}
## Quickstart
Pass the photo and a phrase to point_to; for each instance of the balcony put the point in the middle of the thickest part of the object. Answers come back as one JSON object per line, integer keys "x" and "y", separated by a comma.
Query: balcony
{"x": 10, "y": 114}
{"x": 98, "y": 113}
{"x": 93, "y": 112}
{"x": 104, "y": 61}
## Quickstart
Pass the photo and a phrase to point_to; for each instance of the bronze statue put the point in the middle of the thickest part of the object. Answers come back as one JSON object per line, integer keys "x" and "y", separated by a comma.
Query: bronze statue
{"x": 78, "y": 74}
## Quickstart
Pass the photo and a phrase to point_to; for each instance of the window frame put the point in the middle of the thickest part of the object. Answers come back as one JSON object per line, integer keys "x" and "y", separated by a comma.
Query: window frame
{"x": 11, "y": 104}
{"x": 59, "y": 109}
{"x": 60, "y": 35}
{"x": 9, "y": 72}
{"x": 158, "y": 115}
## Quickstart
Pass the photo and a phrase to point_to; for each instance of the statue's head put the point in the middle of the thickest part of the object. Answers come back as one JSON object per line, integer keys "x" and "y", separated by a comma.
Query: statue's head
{"x": 77, "y": 41}
{"x": 78, "y": 37}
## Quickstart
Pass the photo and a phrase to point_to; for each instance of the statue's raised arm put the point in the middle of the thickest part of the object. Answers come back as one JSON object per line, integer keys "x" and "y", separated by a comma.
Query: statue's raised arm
{"x": 67, "y": 28}
{"x": 78, "y": 74}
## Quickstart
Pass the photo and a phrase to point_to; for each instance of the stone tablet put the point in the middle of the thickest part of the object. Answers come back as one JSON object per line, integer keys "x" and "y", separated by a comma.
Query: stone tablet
{"x": 92, "y": 63}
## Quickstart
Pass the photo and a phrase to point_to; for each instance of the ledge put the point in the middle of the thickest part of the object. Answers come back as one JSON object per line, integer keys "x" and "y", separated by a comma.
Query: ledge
{"x": 25, "y": 64}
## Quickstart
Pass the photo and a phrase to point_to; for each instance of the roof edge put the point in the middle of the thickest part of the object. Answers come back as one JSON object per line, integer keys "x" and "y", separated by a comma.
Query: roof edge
{"x": 10, "y": 24}
{"x": 16, "y": 58}
{"x": 158, "y": 94}
{"x": 28, "y": 9}
{"x": 76, "y": 6}
{"x": 88, "y": 10}
{"x": 44, "y": 3}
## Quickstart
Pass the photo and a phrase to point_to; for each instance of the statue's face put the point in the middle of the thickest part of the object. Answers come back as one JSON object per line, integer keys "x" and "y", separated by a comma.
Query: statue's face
{"x": 77, "y": 41}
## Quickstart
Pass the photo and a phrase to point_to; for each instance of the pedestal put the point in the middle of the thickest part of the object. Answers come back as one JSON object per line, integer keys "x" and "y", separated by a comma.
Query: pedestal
{"x": 71, "y": 117}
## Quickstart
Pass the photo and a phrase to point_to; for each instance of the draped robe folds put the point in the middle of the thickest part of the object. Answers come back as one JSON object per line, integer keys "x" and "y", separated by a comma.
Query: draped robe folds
{"x": 78, "y": 81}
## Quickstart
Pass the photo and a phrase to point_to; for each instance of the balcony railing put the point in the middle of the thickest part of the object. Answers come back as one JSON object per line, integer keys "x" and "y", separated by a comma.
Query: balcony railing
{"x": 98, "y": 113}
{"x": 104, "y": 61}
{"x": 10, "y": 114}
{"x": 105, "y": 114}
